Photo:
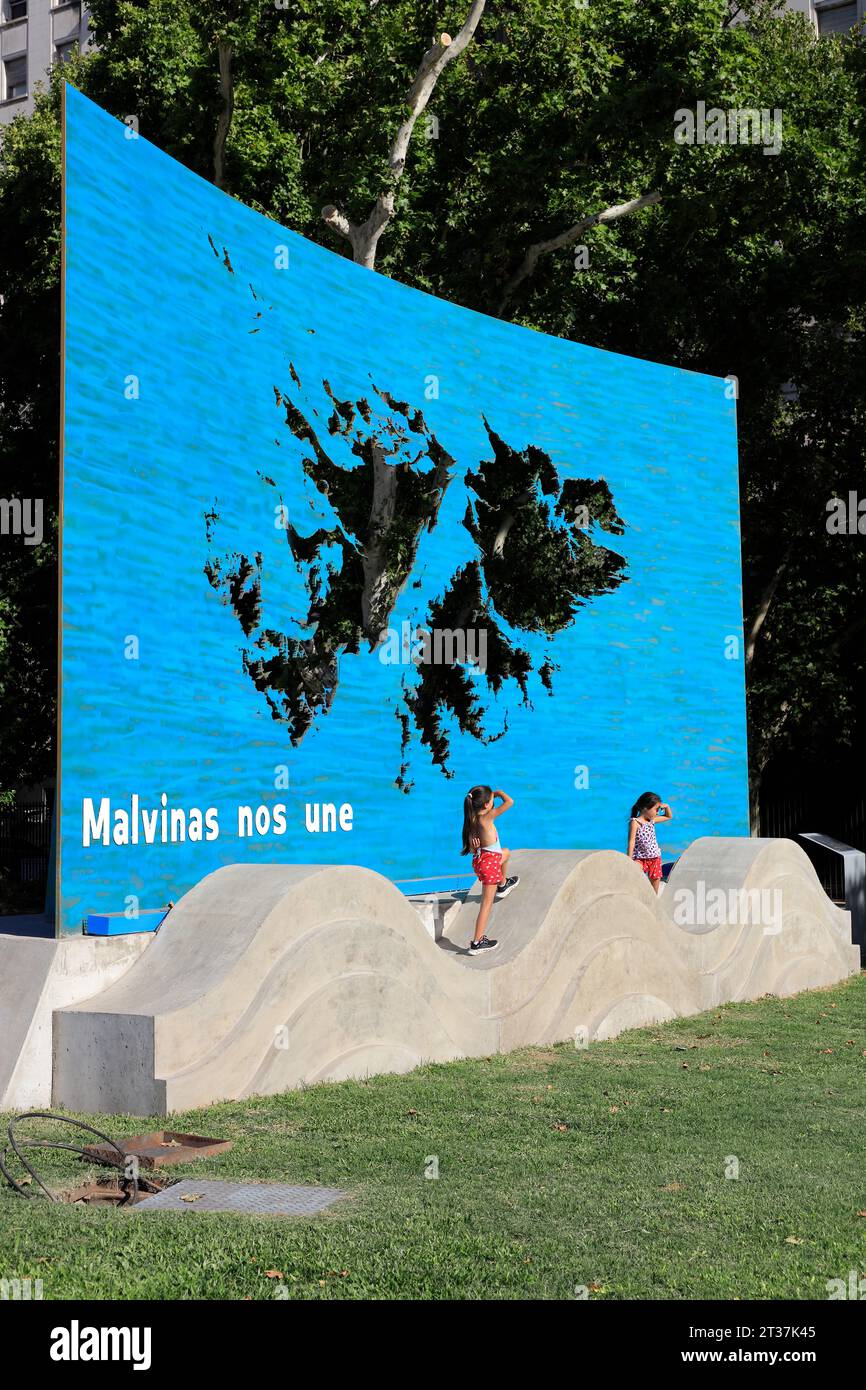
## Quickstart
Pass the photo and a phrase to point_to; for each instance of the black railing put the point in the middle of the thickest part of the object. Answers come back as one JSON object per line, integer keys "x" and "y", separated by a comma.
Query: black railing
{"x": 25, "y": 844}
{"x": 851, "y": 862}
{"x": 786, "y": 815}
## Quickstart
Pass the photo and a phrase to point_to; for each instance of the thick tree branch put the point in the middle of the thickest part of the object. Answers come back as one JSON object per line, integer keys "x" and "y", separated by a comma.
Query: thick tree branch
{"x": 759, "y": 616}
{"x": 541, "y": 248}
{"x": 364, "y": 237}
{"x": 225, "y": 117}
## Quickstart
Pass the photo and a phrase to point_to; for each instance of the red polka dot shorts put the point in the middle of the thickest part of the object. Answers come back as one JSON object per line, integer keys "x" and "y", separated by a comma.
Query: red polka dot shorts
{"x": 487, "y": 864}
{"x": 651, "y": 867}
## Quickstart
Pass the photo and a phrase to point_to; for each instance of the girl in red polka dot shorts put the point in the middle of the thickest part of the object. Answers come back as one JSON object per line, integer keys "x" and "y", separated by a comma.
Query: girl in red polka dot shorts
{"x": 489, "y": 859}
{"x": 643, "y": 847}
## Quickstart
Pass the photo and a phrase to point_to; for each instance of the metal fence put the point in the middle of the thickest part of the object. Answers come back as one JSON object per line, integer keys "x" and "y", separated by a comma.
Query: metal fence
{"x": 25, "y": 843}
{"x": 786, "y": 815}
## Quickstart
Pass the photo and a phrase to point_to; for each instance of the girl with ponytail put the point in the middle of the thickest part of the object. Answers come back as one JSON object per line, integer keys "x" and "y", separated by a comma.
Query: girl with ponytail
{"x": 643, "y": 847}
{"x": 481, "y": 840}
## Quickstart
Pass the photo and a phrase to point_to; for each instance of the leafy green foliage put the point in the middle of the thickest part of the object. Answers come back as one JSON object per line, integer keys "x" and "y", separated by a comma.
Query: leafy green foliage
{"x": 751, "y": 265}
{"x": 29, "y": 418}
{"x": 539, "y": 570}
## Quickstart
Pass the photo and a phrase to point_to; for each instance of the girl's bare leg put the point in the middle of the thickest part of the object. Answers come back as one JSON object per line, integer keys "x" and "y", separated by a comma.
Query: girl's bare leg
{"x": 488, "y": 894}
{"x": 655, "y": 883}
{"x": 506, "y": 855}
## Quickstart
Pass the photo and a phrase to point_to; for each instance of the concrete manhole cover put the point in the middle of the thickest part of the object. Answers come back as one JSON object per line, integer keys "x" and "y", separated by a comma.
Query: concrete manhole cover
{"x": 244, "y": 1198}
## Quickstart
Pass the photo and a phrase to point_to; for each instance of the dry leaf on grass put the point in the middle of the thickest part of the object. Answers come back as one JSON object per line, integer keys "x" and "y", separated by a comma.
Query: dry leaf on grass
{"x": 793, "y": 1240}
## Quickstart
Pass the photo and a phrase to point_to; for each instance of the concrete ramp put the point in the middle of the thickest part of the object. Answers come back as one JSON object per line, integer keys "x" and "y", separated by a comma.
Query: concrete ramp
{"x": 589, "y": 950}
{"x": 38, "y": 975}
{"x": 268, "y": 977}
{"x": 263, "y": 978}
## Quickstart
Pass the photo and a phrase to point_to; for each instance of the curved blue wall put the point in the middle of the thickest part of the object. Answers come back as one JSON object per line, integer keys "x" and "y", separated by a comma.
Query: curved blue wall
{"x": 202, "y": 342}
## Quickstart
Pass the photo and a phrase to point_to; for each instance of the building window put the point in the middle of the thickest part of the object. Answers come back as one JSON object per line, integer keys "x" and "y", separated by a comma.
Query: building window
{"x": 837, "y": 19}
{"x": 15, "y": 74}
{"x": 15, "y": 9}
{"x": 64, "y": 51}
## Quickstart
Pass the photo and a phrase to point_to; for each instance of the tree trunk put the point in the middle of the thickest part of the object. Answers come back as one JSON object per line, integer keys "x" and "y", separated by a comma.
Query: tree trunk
{"x": 225, "y": 117}
{"x": 364, "y": 237}
{"x": 759, "y": 616}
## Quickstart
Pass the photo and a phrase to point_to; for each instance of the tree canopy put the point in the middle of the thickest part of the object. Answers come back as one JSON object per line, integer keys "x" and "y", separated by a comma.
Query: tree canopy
{"x": 745, "y": 263}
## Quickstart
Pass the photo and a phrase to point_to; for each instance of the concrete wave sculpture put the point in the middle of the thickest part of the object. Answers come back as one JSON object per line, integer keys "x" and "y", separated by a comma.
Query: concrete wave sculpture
{"x": 268, "y": 977}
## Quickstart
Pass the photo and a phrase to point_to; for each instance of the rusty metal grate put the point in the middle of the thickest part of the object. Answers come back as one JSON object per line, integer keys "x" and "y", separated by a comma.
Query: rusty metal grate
{"x": 161, "y": 1147}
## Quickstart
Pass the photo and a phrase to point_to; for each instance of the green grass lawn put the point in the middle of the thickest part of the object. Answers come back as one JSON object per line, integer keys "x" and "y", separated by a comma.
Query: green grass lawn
{"x": 557, "y": 1168}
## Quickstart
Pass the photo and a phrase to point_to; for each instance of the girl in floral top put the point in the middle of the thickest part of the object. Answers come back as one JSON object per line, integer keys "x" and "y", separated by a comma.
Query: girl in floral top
{"x": 643, "y": 847}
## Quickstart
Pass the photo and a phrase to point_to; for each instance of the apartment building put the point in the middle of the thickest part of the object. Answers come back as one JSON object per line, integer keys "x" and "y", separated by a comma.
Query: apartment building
{"x": 34, "y": 35}
{"x": 831, "y": 16}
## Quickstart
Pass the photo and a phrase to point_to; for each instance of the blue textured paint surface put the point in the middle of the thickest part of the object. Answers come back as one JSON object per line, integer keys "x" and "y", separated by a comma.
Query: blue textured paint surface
{"x": 117, "y": 924}
{"x": 644, "y": 695}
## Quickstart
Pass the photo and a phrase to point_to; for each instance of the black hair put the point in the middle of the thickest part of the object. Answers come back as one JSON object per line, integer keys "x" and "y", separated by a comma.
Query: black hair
{"x": 643, "y": 803}
{"x": 473, "y": 802}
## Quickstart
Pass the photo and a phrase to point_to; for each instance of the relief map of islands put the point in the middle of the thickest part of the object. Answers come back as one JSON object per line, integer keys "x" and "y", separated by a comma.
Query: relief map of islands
{"x": 329, "y": 542}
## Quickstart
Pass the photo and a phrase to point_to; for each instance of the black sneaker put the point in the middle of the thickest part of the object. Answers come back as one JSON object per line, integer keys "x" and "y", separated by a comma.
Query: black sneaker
{"x": 505, "y": 888}
{"x": 485, "y": 944}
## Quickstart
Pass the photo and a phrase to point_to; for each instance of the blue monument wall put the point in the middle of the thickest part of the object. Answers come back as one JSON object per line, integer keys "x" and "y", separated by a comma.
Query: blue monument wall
{"x": 331, "y": 542}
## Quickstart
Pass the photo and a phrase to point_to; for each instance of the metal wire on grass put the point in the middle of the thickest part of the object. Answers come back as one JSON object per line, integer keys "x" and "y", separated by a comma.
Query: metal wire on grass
{"x": 17, "y": 1144}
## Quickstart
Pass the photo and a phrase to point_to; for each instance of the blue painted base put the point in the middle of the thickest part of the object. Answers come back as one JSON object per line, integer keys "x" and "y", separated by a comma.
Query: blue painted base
{"x": 116, "y": 924}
